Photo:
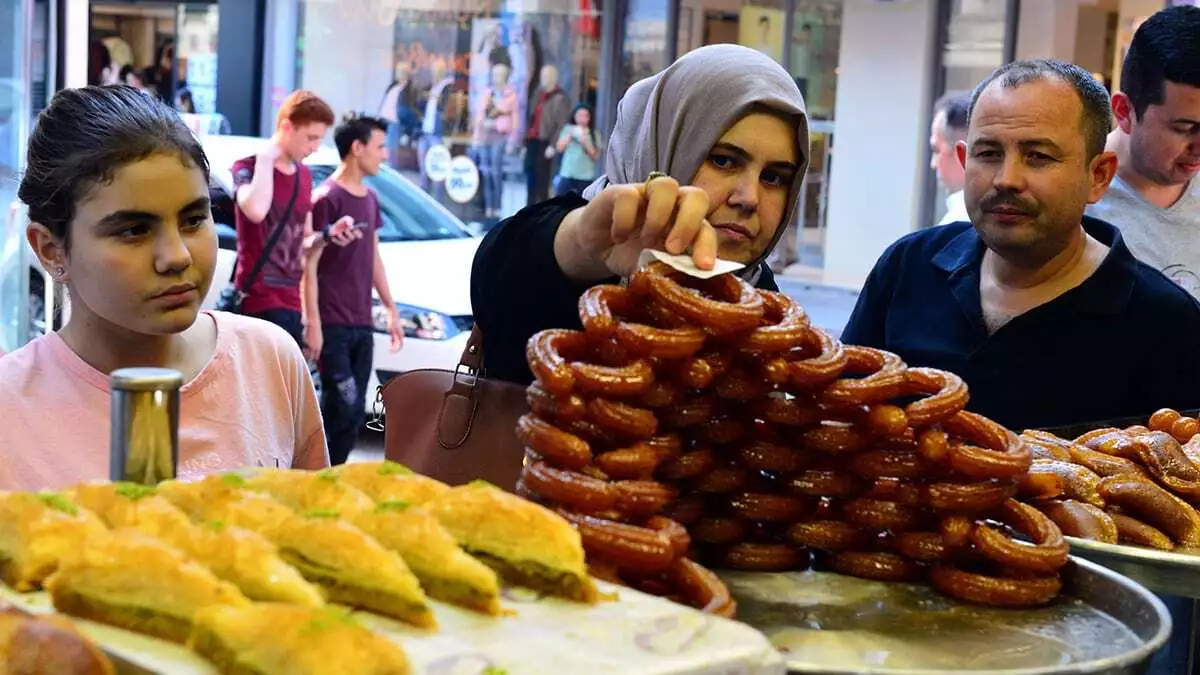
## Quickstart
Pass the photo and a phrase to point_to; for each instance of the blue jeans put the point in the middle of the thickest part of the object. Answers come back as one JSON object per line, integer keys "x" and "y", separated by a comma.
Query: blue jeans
{"x": 346, "y": 359}
{"x": 564, "y": 185}
{"x": 491, "y": 168}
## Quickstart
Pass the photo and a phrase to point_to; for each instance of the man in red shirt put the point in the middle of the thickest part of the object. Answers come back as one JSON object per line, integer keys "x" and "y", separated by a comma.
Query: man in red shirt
{"x": 266, "y": 184}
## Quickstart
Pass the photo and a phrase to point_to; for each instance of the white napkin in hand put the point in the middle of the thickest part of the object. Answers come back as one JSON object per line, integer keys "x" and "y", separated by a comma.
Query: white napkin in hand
{"x": 685, "y": 264}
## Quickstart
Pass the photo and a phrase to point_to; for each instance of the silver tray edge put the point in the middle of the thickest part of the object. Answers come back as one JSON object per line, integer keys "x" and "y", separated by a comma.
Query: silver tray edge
{"x": 1165, "y": 572}
{"x": 1130, "y": 662}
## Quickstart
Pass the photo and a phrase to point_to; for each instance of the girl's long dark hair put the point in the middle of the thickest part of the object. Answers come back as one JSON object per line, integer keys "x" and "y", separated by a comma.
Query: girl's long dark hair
{"x": 591, "y": 120}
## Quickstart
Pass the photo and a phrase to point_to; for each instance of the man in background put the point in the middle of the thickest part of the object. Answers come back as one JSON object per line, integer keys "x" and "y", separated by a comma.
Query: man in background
{"x": 265, "y": 184}
{"x": 949, "y": 127}
{"x": 1155, "y": 197}
{"x": 338, "y": 283}
{"x": 1031, "y": 302}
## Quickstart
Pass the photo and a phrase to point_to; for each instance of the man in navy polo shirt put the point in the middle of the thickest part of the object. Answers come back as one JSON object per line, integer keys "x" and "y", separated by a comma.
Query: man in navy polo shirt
{"x": 1044, "y": 312}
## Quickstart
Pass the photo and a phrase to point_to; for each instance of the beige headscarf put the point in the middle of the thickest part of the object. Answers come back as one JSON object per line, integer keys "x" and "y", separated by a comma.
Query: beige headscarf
{"x": 670, "y": 121}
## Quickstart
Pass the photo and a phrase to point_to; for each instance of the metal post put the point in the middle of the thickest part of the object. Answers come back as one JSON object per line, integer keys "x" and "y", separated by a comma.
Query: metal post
{"x": 52, "y": 49}
{"x": 24, "y": 73}
{"x": 937, "y": 67}
{"x": 789, "y": 31}
{"x": 672, "y": 31}
{"x": 1012, "y": 19}
{"x": 611, "y": 72}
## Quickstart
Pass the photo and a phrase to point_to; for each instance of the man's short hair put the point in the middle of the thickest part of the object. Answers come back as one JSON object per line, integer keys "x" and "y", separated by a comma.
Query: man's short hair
{"x": 957, "y": 106}
{"x": 355, "y": 127}
{"x": 1096, "y": 120}
{"x": 302, "y": 107}
{"x": 1166, "y": 47}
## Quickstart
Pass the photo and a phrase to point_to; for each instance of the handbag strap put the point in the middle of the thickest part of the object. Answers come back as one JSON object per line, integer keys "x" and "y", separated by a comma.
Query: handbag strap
{"x": 275, "y": 234}
{"x": 464, "y": 387}
{"x": 472, "y": 356}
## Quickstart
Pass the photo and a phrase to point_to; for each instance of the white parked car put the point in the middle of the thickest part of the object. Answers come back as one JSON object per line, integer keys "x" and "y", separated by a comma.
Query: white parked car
{"x": 426, "y": 250}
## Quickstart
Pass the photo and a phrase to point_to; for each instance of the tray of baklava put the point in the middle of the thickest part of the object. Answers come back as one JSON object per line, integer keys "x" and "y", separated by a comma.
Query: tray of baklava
{"x": 365, "y": 569}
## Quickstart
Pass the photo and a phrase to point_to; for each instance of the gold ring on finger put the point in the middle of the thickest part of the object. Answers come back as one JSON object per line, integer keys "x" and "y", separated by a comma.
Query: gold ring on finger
{"x": 653, "y": 176}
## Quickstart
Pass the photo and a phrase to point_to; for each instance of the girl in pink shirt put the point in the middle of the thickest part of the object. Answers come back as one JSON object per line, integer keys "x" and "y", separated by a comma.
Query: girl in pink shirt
{"x": 117, "y": 190}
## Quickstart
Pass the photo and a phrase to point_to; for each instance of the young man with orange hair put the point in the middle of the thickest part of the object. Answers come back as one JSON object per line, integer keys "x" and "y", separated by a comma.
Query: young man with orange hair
{"x": 273, "y": 214}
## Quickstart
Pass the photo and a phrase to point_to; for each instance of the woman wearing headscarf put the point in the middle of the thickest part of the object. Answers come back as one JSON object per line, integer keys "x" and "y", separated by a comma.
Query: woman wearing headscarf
{"x": 707, "y": 158}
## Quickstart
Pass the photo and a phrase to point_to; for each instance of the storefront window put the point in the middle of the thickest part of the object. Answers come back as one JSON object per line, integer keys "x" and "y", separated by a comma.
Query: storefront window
{"x": 168, "y": 49}
{"x": 197, "y": 58}
{"x": 461, "y": 90}
{"x": 975, "y": 33}
{"x": 815, "y": 47}
{"x": 813, "y": 61}
{"x": 810, "y": 51}
{"x": 975, "y": 41}
{"x": 645, "y": 43}
{"x": 15, "y": 73}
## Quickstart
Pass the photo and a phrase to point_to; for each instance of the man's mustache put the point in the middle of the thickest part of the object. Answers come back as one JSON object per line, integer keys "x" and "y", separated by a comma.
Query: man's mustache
{"x": 1007, "y": 201}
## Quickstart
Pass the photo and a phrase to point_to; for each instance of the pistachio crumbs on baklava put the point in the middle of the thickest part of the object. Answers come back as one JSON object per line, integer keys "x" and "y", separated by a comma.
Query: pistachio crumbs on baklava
{"x": 388, "y": 481}
{"x": 37, "y": 531}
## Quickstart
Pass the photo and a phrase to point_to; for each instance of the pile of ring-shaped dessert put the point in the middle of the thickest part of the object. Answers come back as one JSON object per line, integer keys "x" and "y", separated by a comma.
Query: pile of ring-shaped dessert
{"x": 706, "y": 419}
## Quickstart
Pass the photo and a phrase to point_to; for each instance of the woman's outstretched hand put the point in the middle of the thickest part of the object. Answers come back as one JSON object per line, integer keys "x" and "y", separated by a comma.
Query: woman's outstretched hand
{"x": 606, "y": 237}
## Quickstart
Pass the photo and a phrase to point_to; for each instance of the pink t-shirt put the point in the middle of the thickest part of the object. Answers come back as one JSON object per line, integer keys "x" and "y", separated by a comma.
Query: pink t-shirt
{"x": 252, "y": 405}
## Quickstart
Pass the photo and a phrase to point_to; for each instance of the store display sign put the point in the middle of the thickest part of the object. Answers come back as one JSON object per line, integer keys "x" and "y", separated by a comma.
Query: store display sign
{"x": 437, "y": 163}
{"x": 462, "y": 183}
{"x": 761, "y": 29}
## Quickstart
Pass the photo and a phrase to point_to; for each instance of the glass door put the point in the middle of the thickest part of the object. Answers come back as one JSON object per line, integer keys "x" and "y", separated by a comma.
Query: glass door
{"x": 814, "y": 44}
{"x": 977, "y": 37}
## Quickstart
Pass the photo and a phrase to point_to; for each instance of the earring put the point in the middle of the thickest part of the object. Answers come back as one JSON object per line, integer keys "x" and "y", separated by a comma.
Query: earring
{"x": 60, "y": 272}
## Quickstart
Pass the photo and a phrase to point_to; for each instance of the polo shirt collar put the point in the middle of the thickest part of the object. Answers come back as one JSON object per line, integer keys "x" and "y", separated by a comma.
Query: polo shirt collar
{"x": 1107, "y": 291}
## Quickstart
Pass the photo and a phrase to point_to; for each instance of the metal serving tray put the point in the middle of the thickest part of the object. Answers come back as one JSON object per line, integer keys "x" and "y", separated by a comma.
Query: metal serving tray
{"x": 1166, "y": 572}
{"x": 832, "y": 624}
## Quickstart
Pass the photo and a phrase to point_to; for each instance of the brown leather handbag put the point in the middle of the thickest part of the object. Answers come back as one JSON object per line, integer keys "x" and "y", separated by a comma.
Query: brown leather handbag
{"x": 455, "y": 426}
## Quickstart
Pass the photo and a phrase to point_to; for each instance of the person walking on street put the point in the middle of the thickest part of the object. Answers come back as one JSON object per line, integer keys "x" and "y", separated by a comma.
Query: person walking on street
{"x": 338, "y": 283}
{"x": 273, "y": 215}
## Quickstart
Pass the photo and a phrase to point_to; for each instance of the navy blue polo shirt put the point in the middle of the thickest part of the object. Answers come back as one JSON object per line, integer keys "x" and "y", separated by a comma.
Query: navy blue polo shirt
{"x": 1123, "y": 343}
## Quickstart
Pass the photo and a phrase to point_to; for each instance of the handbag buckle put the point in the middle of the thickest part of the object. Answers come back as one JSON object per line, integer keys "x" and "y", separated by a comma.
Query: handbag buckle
{"x": 464, "y": 369}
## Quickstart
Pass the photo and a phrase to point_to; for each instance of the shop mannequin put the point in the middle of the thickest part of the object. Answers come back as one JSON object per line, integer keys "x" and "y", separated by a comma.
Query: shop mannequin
{"x": 548, "y": 111}
{"x": 433, "y": 122}
{"x": 397, "y": 108}
{"x": 495, "y": 129}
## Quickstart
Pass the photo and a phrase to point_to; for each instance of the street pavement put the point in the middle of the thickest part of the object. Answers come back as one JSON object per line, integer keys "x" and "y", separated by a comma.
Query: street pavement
{"x": 828, "y": 307}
